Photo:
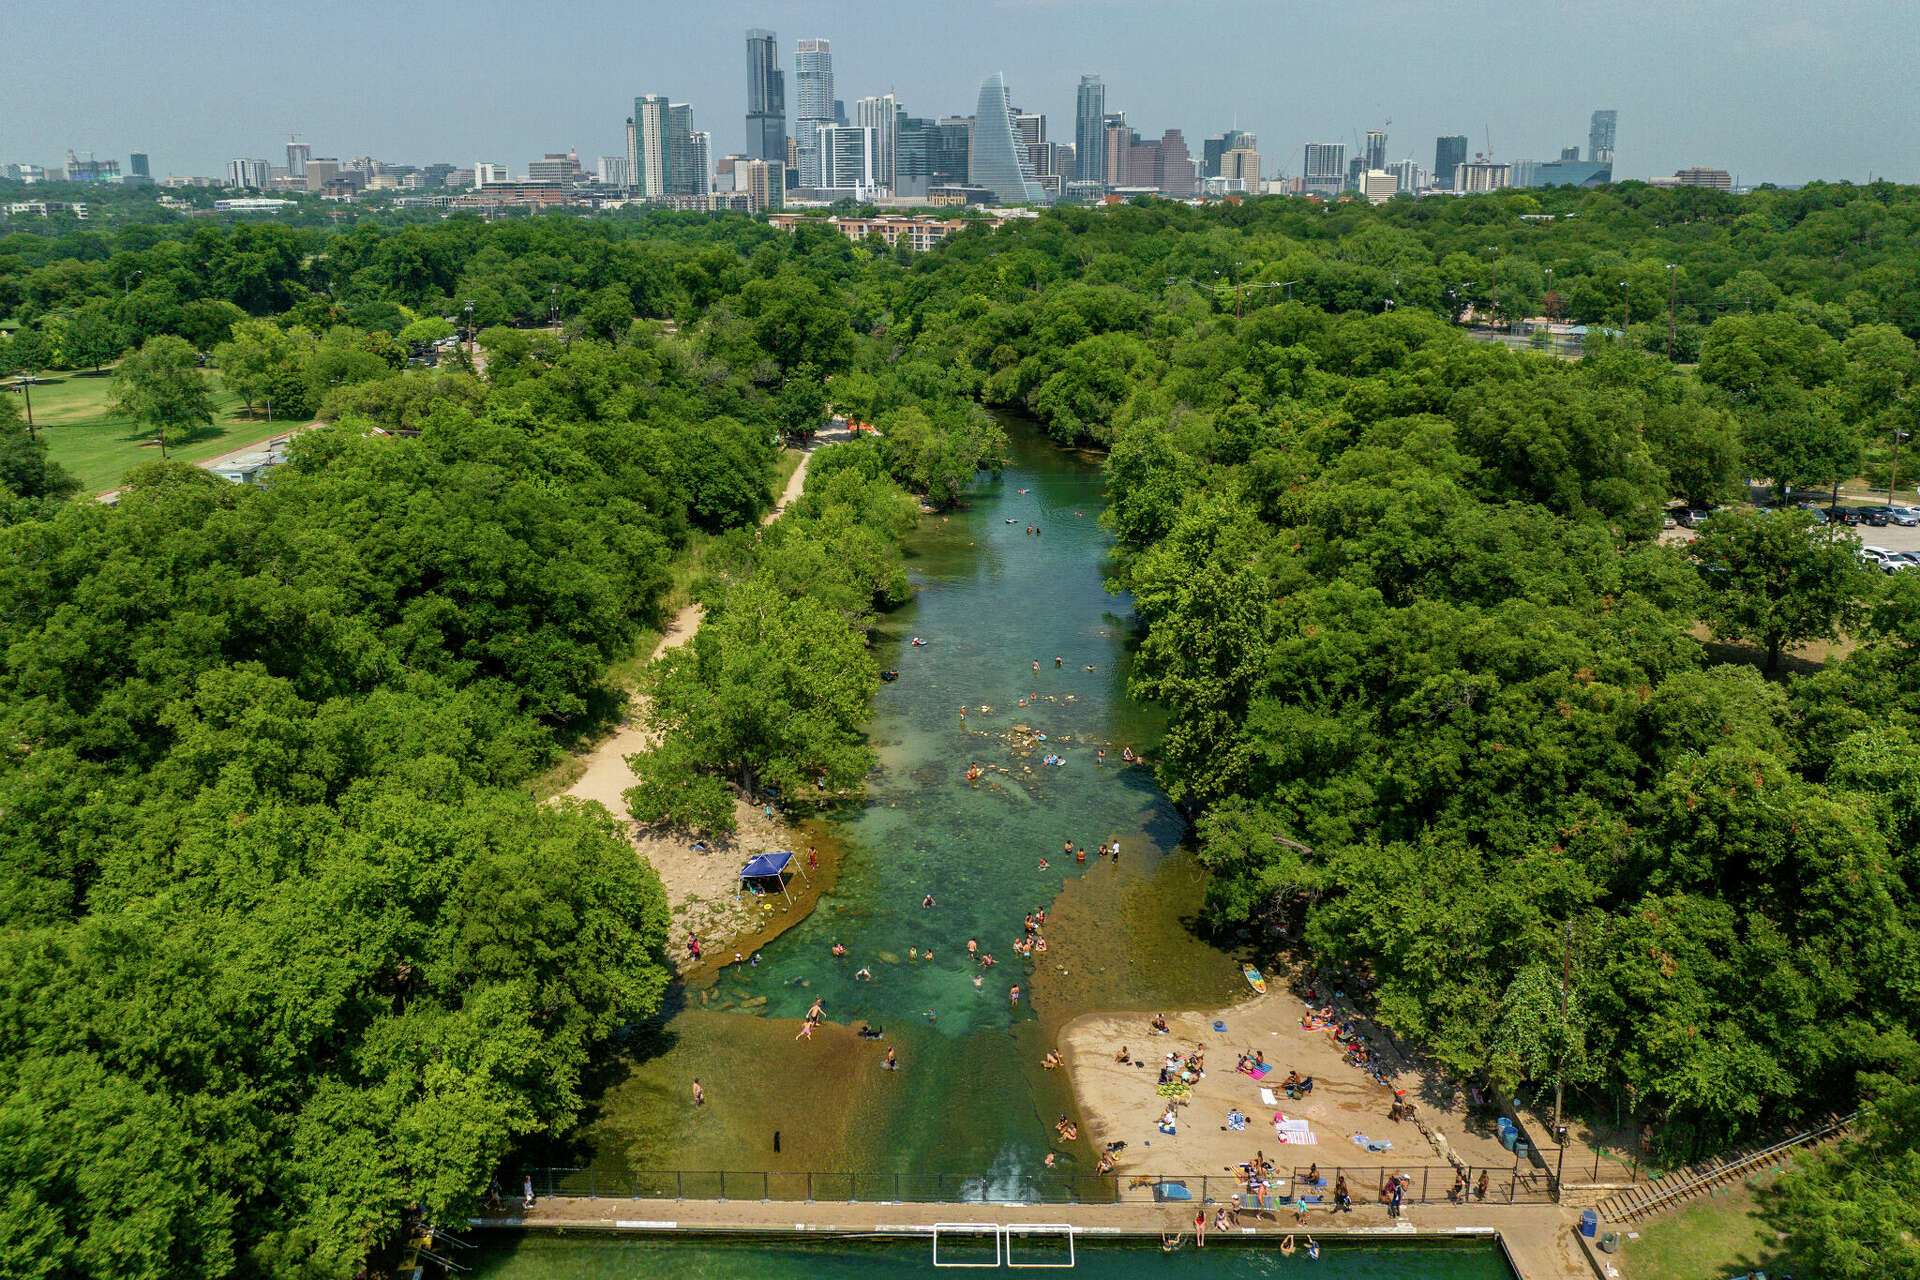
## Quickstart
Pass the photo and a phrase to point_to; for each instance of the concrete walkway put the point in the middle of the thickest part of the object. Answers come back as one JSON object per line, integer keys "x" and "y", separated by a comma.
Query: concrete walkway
{"x": 1539, "y": 1238}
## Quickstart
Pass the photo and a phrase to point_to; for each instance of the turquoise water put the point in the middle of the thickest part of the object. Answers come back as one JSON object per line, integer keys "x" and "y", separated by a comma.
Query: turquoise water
{"x": 971, "y": 1098}
{"x": 606, "y": 1258}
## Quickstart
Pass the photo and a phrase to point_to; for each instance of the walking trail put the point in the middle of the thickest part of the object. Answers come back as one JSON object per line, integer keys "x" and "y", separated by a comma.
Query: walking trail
{"x": 701, "y": 886}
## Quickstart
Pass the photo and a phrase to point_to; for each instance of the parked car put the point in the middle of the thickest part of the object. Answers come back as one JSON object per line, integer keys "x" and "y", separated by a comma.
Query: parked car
{"x": 1906, "y": 517}
{"x": 1884, "y": 560}
{"x": 1690, "y": 517}
{"x": 1843, "y": 515}
{"x": 1875, "y": 516}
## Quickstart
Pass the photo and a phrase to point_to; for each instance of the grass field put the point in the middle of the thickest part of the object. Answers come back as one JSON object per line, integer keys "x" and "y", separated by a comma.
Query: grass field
{"x": 1717, "y": 1237}
{"x": 85, "y": 436}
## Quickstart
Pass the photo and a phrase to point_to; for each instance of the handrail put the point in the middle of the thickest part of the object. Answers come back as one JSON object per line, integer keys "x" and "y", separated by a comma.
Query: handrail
{"x": 1689, "y": 1182}
{"x": 1521, "y": 1182}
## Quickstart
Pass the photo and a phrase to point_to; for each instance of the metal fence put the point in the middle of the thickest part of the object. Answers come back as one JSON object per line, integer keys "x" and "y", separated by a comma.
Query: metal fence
{"x": 1521, "y": 1183}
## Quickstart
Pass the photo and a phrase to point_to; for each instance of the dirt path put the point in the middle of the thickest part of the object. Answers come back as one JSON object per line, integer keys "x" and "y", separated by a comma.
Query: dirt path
{"x": 700, "y": 884}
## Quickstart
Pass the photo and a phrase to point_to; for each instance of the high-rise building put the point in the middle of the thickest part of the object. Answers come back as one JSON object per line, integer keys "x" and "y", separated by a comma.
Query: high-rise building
{"x": 555, "y": 166}
{"x": 1119, "y": 138}
{"x": 650, "y": 144}
{"x": 684, "y": 176}
{"x": 613, "y": 172}
{"x": 251, "y": 174}
{"x": 297, "y": 153}
{"x": 1212, "y": 150}
{"x": 1448, "y": 153}
{"x": 1029, "y": 128}
{"x": 846, "y": 158}
{"x": 137, "y": 165}
{"x": 1481, "y": 175}
{"x": 882, "y": 115}
{"x": 1325, "y": 170}
{"x": 633, "y": 152}
{"x": 998, "y": 162}
{"x": 1241, "y": 165}
{"x": 1376, "y": 155}
{"x": 952, "y": 156}
{"x": 1089, "y": 131}
{"x": 1600, "y": 136}
{"x": 702, "y": 162}
{"x": 813, "y": 94}
{"x": 766, "y": 98}
{"x": 764, "y": 181}
{"x": 1378, "y": 186}
{"x": 1407, "y": 174}
{"x": 324, "y": 169}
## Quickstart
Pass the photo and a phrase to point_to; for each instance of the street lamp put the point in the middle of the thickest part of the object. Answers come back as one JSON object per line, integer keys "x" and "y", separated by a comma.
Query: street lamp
{"x": 469, "y": 329}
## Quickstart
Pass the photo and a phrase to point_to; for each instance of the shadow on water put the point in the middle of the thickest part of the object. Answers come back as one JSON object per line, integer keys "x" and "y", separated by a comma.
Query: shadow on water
{"x": 971, "y": 1098}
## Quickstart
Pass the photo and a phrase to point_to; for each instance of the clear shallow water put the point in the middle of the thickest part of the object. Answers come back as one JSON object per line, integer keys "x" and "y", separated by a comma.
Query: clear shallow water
{"x": 604, "y": 1258}
{"x": 992, "y": 600}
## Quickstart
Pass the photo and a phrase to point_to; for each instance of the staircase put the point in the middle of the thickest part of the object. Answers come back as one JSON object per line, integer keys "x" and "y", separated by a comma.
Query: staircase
{"x": 1677, "y": 1188}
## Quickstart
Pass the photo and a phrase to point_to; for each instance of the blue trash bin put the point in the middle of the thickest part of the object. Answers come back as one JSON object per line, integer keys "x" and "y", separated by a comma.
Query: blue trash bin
{"x": 1507, "y": 1137}
{"x": 1589, "y": 1223}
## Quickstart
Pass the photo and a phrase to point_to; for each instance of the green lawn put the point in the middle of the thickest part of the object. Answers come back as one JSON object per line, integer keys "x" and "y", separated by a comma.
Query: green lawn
{"x": 85, "y": 436}
{"x": 1713, "y": 1238}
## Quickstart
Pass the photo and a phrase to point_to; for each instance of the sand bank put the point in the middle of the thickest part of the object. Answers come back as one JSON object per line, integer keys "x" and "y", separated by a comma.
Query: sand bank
{"x": 1120, "y": 1103}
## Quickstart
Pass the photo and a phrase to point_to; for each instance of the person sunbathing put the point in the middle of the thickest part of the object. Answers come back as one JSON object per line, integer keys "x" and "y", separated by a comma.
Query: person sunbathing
{"x": 1293, "y": 1078}
{"x": 1051, "y": 1061}
{"x": 1159, "y": 1024}
{"x": 1123, "y": 1057}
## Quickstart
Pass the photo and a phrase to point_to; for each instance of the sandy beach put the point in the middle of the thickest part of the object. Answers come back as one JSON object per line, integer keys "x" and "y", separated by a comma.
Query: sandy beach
{"x": 1120, "y": 1103}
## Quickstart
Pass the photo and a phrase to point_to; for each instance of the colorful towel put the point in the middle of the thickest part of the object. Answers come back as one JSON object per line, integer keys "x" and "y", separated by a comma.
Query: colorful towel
{"x": 1259, "y": 1072}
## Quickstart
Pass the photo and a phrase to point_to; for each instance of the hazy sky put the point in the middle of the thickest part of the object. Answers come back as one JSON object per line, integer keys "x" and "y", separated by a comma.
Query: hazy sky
{"x": 1772, "y": 90}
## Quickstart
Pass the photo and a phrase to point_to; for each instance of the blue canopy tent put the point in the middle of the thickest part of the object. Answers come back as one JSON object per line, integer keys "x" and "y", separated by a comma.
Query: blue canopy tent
{"x": 771, "y": 866}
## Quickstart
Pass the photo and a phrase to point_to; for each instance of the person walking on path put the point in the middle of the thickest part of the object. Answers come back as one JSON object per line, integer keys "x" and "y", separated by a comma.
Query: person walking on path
{"x": 1393, "y": 1201}
{"x": 526, "y": 1199}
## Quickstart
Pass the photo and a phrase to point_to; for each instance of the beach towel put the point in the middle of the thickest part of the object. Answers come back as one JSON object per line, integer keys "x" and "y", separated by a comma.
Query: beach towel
{"x": 1259, "y": 1072}
{"x": 1237, "y": 1122}
{"x": 1266, "y": 1096}
{"x": 1295, "y": 1133}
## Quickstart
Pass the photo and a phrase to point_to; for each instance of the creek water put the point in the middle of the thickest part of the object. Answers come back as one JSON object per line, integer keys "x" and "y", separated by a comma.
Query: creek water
{"x": 971, "y": 1099}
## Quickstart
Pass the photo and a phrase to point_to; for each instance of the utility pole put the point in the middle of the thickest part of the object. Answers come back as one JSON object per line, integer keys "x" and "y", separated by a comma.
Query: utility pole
{"x": 26, "y": 389}
{"x": 1893, "y": 477}
{"x": 1673, "y": 299}
{"x": 1559, "y": 1070}
{"x": 1626, "y": 308}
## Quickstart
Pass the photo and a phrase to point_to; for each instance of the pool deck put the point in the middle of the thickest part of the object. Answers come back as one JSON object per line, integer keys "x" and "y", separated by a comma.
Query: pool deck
{"x": 1539, "y": 1238}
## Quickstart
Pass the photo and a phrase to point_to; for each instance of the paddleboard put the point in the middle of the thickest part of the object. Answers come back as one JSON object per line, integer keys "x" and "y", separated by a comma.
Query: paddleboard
{"x": 1253, "y": 978}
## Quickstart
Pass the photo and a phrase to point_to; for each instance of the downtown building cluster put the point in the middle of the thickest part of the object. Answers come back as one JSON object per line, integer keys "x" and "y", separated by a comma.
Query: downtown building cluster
{"x": 804, "y": 147}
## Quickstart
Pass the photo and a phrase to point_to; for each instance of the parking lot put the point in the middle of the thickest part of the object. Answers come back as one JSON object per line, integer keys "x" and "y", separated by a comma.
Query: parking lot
{"x": 1890, "y": 537}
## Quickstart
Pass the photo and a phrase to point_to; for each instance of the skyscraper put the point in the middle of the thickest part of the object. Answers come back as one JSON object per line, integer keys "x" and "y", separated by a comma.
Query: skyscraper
{"x": 650, "y": 144}
{"x": 1600, "y": 136}
{"x": 1089, "y": 131}
{"x": 1325, "y": 170}
{"x": 882, "y": 115}
{"x": 297, "y": 153}
{"x": 702, "y": 178}
{"x": 1376, "y": 149}
{"x": 683, "y": 177}
{"x": 813, "y": 91}
{"x": 766, "y": 98}
{"x": 1448, "y": 154}
{"x": 632, "y": 172}
{"x": 998, "y": 162}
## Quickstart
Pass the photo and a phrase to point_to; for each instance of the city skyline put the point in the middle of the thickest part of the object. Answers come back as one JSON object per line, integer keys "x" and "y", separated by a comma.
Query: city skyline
{"x": 1788, "y": 94}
